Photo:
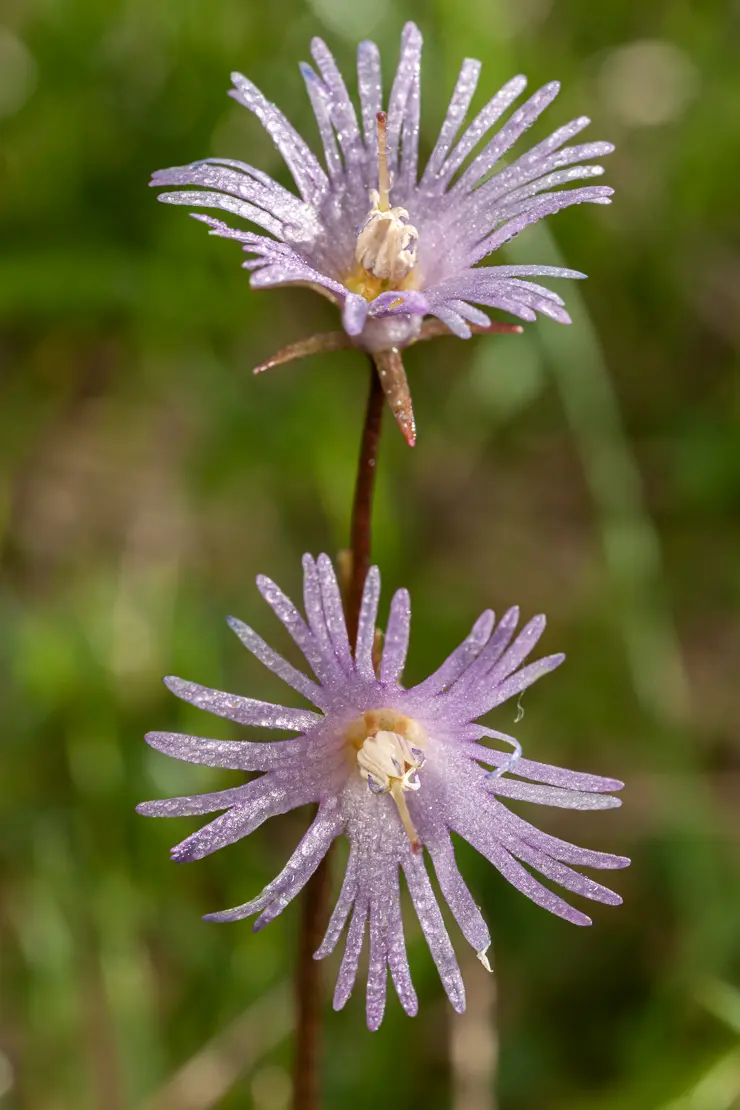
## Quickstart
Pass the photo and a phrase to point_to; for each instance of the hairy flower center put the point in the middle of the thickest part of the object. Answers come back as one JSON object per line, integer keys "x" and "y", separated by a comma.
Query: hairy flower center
{"x": 386, "y": 243}
{"x": 390, "y": 753}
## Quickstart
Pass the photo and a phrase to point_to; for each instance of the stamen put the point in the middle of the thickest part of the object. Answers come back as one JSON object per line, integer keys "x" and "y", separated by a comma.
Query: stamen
{"x": 386, "y": 242}
{"x": 389, "y": 758}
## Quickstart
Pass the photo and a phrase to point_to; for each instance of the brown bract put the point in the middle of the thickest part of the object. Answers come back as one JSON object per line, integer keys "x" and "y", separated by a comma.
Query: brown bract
{"x": 389, "y": 363}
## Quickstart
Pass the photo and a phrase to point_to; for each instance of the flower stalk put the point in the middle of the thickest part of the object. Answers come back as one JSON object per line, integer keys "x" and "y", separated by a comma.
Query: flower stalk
{"x": 315, "y": 908}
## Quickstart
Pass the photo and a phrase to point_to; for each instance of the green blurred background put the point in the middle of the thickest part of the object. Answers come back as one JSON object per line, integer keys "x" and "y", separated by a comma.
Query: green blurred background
{"x": 591, "y": 471}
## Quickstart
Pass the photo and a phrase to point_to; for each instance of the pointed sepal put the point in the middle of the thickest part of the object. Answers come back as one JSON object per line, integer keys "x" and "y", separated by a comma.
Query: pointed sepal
{"x": 395, "y": 385}
{"x": 314, "y": 345}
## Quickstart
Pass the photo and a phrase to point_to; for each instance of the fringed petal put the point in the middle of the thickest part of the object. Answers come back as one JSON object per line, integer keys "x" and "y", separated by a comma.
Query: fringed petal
{"x": 550, "y": 795}
{"x": 301, "y": 634}
{"x": 458, "y": 662}
{"x": 307, "y": 173}
{"x": 342, "y": 909}
{"x": 398, "y": 962}
{"x": 370, "y": 88}
{"x": 275, "y": 662}
{"x": 367, "y": 624}
{"x": 377, "y": 972}
{"x": 480, "y": 126}
{"x": 193, "y": 805}
{"x": 321, "y": 104}
{"x": 334, "y": 612}
{"x": 457, "y": 896}
{"x": 541, "y": 772}
{"x": 245, "y": 711}
{"x": 409, "y": 65}
{"x": 342, "y": 109}
{"x": 205, "y": 198}
{"x": 233, "y": 755}
{"x": 298, "y": 870}
{"x": 487, "y": 698}
{"x": 396, "y": 642}
{"x": 351, "y": 959}
{"x": 462, "y": 96}
{"x": 433, "y": 927}
{"x": 520, "y": 121}
{"x": 263, "y": 798}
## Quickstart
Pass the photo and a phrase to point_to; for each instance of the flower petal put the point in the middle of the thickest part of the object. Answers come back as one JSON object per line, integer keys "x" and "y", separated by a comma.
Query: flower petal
{"x": 433, "y": 926}
{"x": 494, "y": 649}
{"x": 370, "y": 88}
{"x": 397, "y": 957}
{"x": 571, "y": 880}
{"x": 458, "y": 662}
{"x": 514, "y": 685}
{"x": 205, "y": 198}
{"x": 401, "y": 101}
{"x": 321, "y": 104}
{"x": 342, "y": 109}
{"x": 541, "y": 772}
{"x": 246, "y": 183}
{"x": 298, "y": 870}
{"x": 334, "y": 612}
{"x": 482, "y": 123}
{"x": 193, "y": 805}
{"x": 275, "y": 662}
{"x": 545, "y": 206}
{"x": 245, "y": 711}
{"x": 344, "y": 904}
{"x": 377, "y": 973}
{"x": 460, "y": 102}
{"x": 354, "y": 313}
{"x": 456, "y": 893}
{"x": 515, "y": 127}
{"x": 556, "y": 848}
{"x": 351, "y": 959}
{"x": 396, "y": 642}
{"x": 307, "y": 173}
{"x": 524, "y": 881}
{"x": 263, "y": 798}
{"x": 234, "y": 755}
{"x": 367, "y": 624}
{"x": 550, "y": 795}
{"x": 313, "y": 600}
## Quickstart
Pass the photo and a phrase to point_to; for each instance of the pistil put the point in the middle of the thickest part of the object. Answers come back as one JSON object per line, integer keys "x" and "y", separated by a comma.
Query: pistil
{"x": 386, "y": 242}
{"x": 384, "y": 183}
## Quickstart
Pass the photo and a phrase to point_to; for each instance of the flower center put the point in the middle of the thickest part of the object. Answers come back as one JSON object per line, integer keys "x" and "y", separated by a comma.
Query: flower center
{"x": 386, "y": 243}
{"x": 390, "y": 754}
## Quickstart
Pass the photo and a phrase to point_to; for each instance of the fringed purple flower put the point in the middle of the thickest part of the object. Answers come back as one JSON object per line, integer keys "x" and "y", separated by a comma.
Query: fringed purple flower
{"x": 388, "y": 244}
{"x": 396, "y": 771}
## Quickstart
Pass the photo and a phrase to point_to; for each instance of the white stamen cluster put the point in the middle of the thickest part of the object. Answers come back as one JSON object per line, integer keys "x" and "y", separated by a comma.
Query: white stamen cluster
{"x": 390, "y": 753}
{"x": 387, "y": 759}
{"x": 386, "y": 244}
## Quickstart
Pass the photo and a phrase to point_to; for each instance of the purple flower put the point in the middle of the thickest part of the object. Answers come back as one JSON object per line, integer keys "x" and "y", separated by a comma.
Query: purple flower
{"x": 395, "y": 770}
{"x": 388, "y": 244}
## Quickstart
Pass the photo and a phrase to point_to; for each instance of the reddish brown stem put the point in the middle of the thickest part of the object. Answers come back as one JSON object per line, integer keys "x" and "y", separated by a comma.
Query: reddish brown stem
{"x": 309, "y": 996}
{"x": 362, "y": 508}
